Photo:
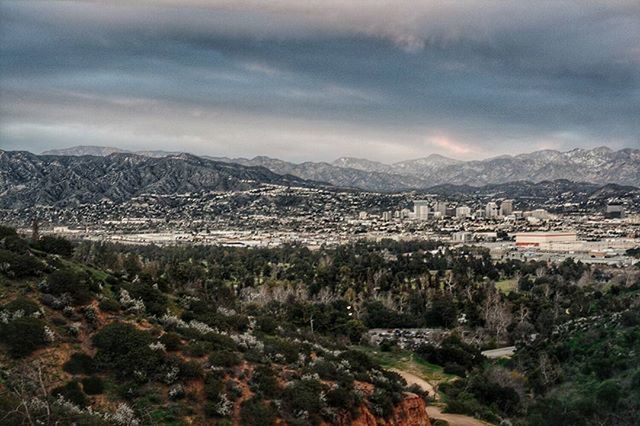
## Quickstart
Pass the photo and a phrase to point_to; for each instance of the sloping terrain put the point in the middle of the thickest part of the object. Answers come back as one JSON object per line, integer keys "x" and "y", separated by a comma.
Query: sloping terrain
{"x": 27, "y": 179}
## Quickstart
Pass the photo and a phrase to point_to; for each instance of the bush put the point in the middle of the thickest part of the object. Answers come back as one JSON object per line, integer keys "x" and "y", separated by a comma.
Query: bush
{"x": 224, "y": 359}
{"x": 124, "y": 349}
{"x": 7, "y": 231}
{"x": 171, "y": 341}
{"x": 456, "y": 369}
{"x": 22, "y": 336}
{"x": 199, "y": 349}
{"x": 79, "y": 363}
{"x": 264, "y": 382}
{"x": 68, "y": 281}
{"x": 304, "y": 396}
{"x": 15, "y": 244}
{"x": 257, "y": 413}
{"x": 93, "y": 385}
{"x": 343, "y": 398}
{"x": 19, "y": 265}
{"x": 191, "y": 370}
{"x": 55, "y": 245}
{"x": 213, "y": 387}
{"x": 23, "y": 304}
{"x": 109, "y": 305}
{"x": 266, "y": 324}
{"x": 155, "y": 302}
{"x": 609, "y": 393}
{"x": 71, "y": 392}
{"x": 451, "y": 351}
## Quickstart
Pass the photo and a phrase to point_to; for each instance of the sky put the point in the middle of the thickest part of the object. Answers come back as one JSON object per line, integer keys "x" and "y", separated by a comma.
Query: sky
{"x": 321, "y": 79}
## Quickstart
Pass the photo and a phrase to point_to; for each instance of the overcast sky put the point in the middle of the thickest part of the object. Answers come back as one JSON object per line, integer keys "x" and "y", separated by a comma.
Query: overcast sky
{"x": 316, "y": 80}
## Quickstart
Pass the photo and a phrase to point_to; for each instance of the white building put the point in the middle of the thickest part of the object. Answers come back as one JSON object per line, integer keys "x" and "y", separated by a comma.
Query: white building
{"x": 462, "y": 237}
{"x": 544, "y": 240}
{"x": 463, "y": 211}
{"x": 421, "y": 209}
{"x": 491, "y": 210}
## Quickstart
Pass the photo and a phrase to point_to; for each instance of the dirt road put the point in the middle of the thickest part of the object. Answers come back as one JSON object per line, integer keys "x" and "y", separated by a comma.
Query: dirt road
{"x": 435, "y": 411}
{"x": 412, "y": 379}
{"x": 453, "y": 419}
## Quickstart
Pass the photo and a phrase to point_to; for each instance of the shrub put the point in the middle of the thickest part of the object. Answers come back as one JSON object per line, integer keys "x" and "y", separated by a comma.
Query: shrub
{"x": 68, "y": 281}
{"x": 343, "y": 398}
{"x": 451, "y": 351}
{"x": 79, "y": 363}
{"x": 266, "y": 324}
{"x": 20, "y": 265}
{"x": 224, "y": 359}
{"x": 457, "y": 369}
{"x": 23, "y": 304}
{"x": 22, "y": 335}
{"x": 304, "y": 396}
{"x": 198, "y": 349}
{"x": 171, "y": 341}
{"x": 257, "y": 413}
{"x": 109, "y": 305}
{"x": 125, "y": 349}
{"x": 609, "y": 393}
{"x": 286, "y": 348}
{"x": 16, "y": 244}
{"x": 55, "y": 245}
{"x": 93, "y": 385}
{"x": 264, "y": 382}
{"x": 71, "y": 392}
{"x": 191, "y": 370}
{"x": 155, "y": 302}
{"x": 7, "y": 231}
{"x": 213, "y": 387}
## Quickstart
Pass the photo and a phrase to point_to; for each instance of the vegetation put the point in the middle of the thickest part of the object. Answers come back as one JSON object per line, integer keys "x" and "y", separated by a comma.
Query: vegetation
{"x": 223, "y": 335}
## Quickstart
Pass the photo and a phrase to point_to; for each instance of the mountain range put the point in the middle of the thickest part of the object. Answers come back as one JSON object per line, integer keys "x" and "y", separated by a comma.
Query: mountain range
{"x": 28, "y": 179}
{"x": 599, "y": 165}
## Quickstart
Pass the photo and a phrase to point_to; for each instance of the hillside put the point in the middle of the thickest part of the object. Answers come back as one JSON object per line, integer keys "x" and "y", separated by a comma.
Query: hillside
{"x": 599, "y": 165}
{"x": 27, "y": 179}
{"x": 83, "y": 345}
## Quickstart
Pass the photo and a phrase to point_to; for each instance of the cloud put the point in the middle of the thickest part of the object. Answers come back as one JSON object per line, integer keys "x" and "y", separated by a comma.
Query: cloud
{"x": 321, "y": 78}
{"x": 457, "y": 149}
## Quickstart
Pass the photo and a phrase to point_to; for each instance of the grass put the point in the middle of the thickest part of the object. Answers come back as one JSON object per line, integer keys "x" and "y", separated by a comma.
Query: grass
{"x": 507, "y": 286}
{"x": 409, "y": 362}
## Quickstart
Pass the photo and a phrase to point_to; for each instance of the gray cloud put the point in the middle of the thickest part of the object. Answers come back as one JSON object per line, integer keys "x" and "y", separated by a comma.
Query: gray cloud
{"x": 317, "y": 80}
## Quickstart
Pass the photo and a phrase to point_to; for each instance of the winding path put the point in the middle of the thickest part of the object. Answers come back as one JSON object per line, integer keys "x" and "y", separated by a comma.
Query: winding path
{"x": 434, "y": 411}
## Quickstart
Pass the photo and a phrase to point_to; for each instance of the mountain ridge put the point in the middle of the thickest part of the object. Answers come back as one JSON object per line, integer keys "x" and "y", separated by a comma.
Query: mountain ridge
{"x": 28, "y": 179}
{"x": 600, "y": 165}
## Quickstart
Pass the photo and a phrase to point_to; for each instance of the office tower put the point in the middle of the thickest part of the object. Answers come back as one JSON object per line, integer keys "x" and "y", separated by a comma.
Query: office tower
{"x": 421, "y": 209}
{"x": 506, "y": 207}
{"x": 441, "y": 207}
{"x": 491, "y": 210}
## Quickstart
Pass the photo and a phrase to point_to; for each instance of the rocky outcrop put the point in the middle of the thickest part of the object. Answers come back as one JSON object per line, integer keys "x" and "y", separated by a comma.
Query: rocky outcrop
{"x": 412, "y": 411}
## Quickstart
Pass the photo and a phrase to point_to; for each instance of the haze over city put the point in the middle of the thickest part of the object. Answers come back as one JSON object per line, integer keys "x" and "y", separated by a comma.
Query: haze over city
{"x": 317, "y": 80}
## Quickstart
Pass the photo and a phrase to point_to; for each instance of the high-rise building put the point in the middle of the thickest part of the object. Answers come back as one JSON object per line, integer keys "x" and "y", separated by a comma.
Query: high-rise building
{"x": 506, "y": 207}
{"x": 463, "y": 211}
{"x": 421, "y": 209}
{"x": 491, "y": 210}
{"x": 386, "y": 216}
{"x": 441, "y": 207}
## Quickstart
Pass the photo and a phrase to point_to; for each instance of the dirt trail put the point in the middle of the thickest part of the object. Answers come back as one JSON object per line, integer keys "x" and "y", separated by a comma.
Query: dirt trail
{"x": 412, "y": 379}
{"x": 434, "y": 411}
